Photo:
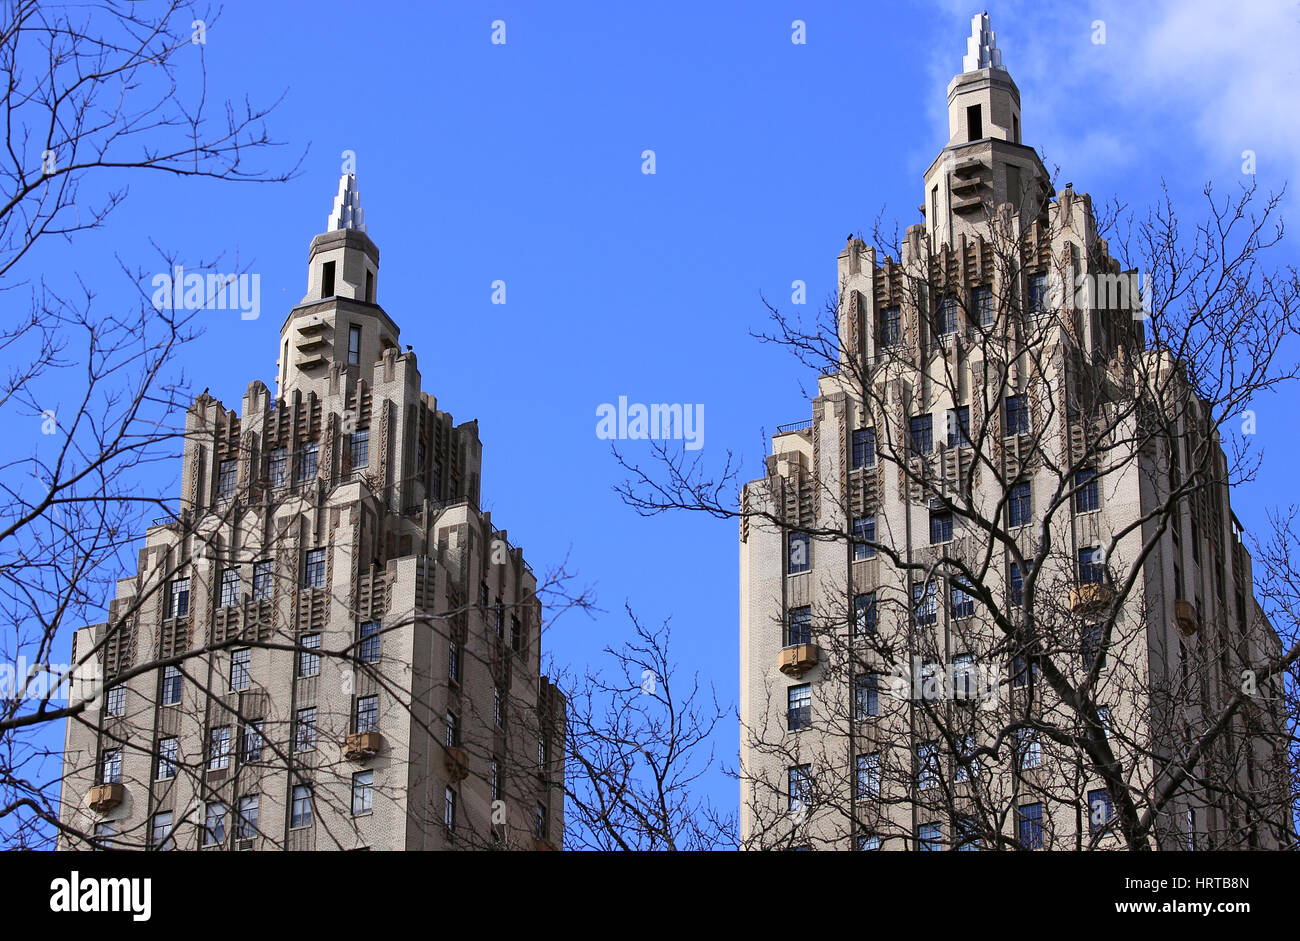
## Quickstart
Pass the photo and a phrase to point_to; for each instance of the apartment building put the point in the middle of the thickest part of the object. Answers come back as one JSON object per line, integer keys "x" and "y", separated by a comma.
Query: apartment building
{"x": 330, "y": 646}
{"x": 993, "y": 594}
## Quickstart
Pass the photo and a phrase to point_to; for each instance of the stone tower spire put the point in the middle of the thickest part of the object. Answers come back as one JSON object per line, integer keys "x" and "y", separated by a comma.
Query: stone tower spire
{"x": 982, "y": 50}
{"x": 347, "y": 212}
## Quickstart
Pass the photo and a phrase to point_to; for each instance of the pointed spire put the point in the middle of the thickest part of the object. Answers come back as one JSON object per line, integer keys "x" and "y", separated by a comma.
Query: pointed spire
{"x": 347, "y": 212}
{"x": 982, "y": 50}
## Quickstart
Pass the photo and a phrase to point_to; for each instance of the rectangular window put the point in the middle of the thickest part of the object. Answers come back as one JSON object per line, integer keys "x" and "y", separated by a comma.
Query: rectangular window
{"x": 516, "y": 635}
{"x": 963, "y": 676}
{"x": 799, "y": 707}
{"x": 449, "y": 810}
{"x": 370, "y": 283}
{"x": 974, "y": 125}
{"x": 178, "y": 598}
{"x": 864, "y": 534}
{"x": 453, "y": 661}
{"x": 160, "y": 834}
{"x": 891, "y": 326}
{"x": 1103, "y": 716}
{"x": 308, "y": 461}
{"x": 246, "y": 827}
{"x": 924, "y": 606}
{"x": 866, "y": 696}
{"x": 1038, "y": 294}
{"x": 959, "y": 426}
{"x": 500, "y": 615}
{"x": 1091, "y": 569}
{"x": 308, "y": 656}
{"x": 370, "y": 641}
{"x": 1091, "y": 649}
{"x": 981, "y": 299}
{"x": 168, "y": 756}
{"x": 219, "y": 748}
{"x": 314, "y": 570}
{"x": 799, "y": 626}
{"x": 864, "y": 448}
{"x": 104, "y": 833}
{"x": 922, "y": 437}
{"x": 171, "y": 691}
{"x": 963, "y": 599}
{"x": 262, "y": 580}
{"x": 966, "y": 760}
{"x": 300, "y": 811}
{"x": 111, "y": 766}
{"x": 1016, "y": 581}
{"x": 799, "y": 553}
{"x": 540, "y": 826}
{"x": 929, "y": 837}
{"x": 363, "y": 784}
{"x": 927, "y": 765}
{"x": 868, "y": 842}
{"x": 304, "y": 738}
{"x": 239, "y": 674}
{"x": 864, "y": 613}
{"x": 1020, "y": 504}
{"x": 940, "y": 526}
{"x": 327, "y": 279}
{"x": 354, "y": 345}
{"x": 360, "y": 448}
{"x": 452, "y": 731}
{"x": 115, "y": 701}
{"x": 252, "y": 743}
{"x": 496, "y": 706}
{"x": 494, "y": 779}
{"x": 214, "y": 824}
{"x": 968, "y": 838}
{"x": 1023, "y": 672}
{"x": 226, "y": 473}
{"x": 1030, "y": 817}
{"x": 1086, "y": 496}
{"x": 1101, "y": 811}
{"x": 1015, "y": 415}
{"x": 946, "y": 315}
{"x": 277, "y": 464}
{"x": 367, "y": 713}
{"x": 868, "y": 777}
{"x": 1029, "y": 751}
{"x": 799, "y": 782}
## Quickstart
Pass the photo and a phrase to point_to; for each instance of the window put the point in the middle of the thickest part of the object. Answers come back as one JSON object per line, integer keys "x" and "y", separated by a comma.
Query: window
{"x": 1101, "y": 811}
{"x": 1030, "y": 817}
{"x": 262, "y": 580}
{"x": 115, "y": 701}
{"x": 866, "y": 696}
{"x": 516, "y": 635}
{"x": 1029, "y": 752}
{"x": 868, "y": 777}
{"x": 981, "y": 299}
{"x": 252, "y": 743}
{"x": 178, "y": 598}
{"x": 946, "y": 316}
{"x": 214, "y": 824}
{"x": 959, "y": 426}
{"x": 963, "y": 676}
{"x": 929, "y": 837}
{"x": 966, "y": 758}
{"x": 307, "y": 461}
{"x": 449, "y": 810}
{"x": 924, "y": 605}
{"x": 1196, "y": 539}
{"x": 799, "y": 781}
{"x": 327, "y": 279}
{"x": 219, "y": 748}
{"x": 1015, "y": 415}
{"x": 540, "y": 826}
{"x": 968, "y": 838}
{"x": 453, "y": 661}
{"x": 864, "y": 448}
{"x": 1086, "y": 497}
{"x": 1016, "y": 580}
{"x": 360, "y": 448}
{"x": 1091, "y": 648}
{"x": 864, "y": 533}
{"x": 940, "y": 526}
{"x": 1103, "y": 716}
{"x": 867, "y": 842}
{"x": 370, "y": 640}
{"x": 891, "y": 326}
{"x": 277, "y": 463}
{"x": 314, "y": 572}
{"x": 974, "y": 125}
{"x": 922, "y": 438}
{"x": 363, "y": 783}
{"x": 483, "y": 596}
{"x": 246, "y": 826}
{"x": 308, "y": 658}
{"x": 354, "y": 345}
{"x": 226, "y": 472}
{"x": 1020, "y": 504}
{"x": 160, "y": 834}
{"x": 927, "y": 765}
{"x": 494, "y": 779}
{"x": 300, "y": 811}
{"x": 104, "y": 833}
{"x": 171, "y": 691}
{"x": 500, "y": 613}
{"x": 799, "y": 553}
{"x": 1091, "y": 568}
{"x": 367, "y": 713}
{"x": 111, "y": 766}
{"x": 304, "y": 738}
{"x": 1038, "y": 297}
{"x": 864, "y": 613}
{"x": 1023, "y": 672}
{"x": 452, "y": 733}
{"x": 168, "y": 755}
{"x": 799, "y": 707}
{"x": 799, "y": 626}
{"x": 239, "y": 661}
{"x": 370, "y": 282}
{"x": 963, "y": 599}
{"x": 496, "y": 706}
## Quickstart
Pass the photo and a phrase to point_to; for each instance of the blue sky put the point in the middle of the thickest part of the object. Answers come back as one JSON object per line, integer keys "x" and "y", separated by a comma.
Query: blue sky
{"x": 522, "y": 162}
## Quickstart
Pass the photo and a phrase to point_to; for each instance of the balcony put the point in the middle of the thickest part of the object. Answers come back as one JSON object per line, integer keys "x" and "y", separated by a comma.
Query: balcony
{"x": 798, "y": 659}
{"x": 457, "y": 763}
{"x": 104, "y": 797}
{"x": 360, "y": 746}
{"x": 1185, "y": 615}
{"x": 1087, "y": 597}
